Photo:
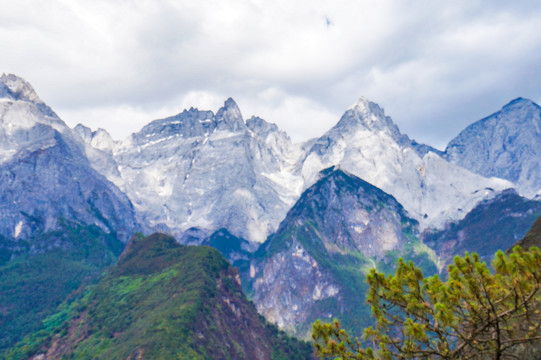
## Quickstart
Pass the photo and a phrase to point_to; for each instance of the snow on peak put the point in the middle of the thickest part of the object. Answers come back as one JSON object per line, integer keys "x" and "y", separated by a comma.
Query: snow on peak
{"x": 262, "y": 127}
{"x": 16, "y": 88}
{"x": 367, "y": 115}
{"x": 361, "y": 104}
{"x": 519, "y": 103}
{"x": 99, "y": 139}
{"x": 83, "y": 131}
{"x": 230, "y": 109}
{"x": 231, "y": 104}
{"x": 366, "y": 107}
{"x": 22, "y": 109}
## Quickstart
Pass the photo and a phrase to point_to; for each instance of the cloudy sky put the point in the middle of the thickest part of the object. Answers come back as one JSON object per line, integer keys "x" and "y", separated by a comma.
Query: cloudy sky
{"x": 434, "y": 66}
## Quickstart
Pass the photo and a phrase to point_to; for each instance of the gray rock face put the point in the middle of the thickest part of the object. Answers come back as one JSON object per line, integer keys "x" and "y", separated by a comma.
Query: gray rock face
{"x": 352, "y": 215}
{"x": 288, "y": 286}
{"x": 507, "y": 144}
{"x": 45, "y": 176}
{"x": 197, "y": 169}
{"x": 339, "y": 223}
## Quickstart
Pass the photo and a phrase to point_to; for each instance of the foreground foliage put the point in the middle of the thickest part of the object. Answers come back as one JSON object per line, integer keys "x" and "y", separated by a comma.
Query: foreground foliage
{"x": 475, "y": 314}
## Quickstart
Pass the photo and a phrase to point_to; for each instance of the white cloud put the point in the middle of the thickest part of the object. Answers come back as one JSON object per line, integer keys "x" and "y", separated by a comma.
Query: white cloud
{"x": 435, "y": 67}
{"x": 300, "y": 117}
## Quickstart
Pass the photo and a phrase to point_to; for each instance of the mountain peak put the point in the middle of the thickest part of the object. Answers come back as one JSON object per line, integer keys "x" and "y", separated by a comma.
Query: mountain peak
{"x": 230, "y": 116}
{"x": 361, "y": 102}
{"x": 148, "y": 254}
{"x": 16, "y": 88}
{"x": 230, "y": 107}
{"x": 332, "y": 171}
{"x": 506, "y": 144}
{"x": 519, "y": 103}
{"x": 262, "y": 127}
{"x": 366, "y": 114}
{"x": 230, "y": 103}
{"x": 365, "y": 106}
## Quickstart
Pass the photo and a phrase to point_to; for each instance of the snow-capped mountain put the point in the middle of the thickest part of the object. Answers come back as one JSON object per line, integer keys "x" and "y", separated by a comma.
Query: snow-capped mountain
{"x": 506, "y": 144}
{"x": 45, "y": 176}
{"x": 206, "y": 170}
{"x": 211, "y": 171}
{"x": 24, "y": 118}
{"x": 368, "y": 144}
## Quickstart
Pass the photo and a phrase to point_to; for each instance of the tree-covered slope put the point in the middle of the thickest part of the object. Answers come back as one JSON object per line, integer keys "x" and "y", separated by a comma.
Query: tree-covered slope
{"x": 161, "y": 301}
{"x": 37, "y": 274}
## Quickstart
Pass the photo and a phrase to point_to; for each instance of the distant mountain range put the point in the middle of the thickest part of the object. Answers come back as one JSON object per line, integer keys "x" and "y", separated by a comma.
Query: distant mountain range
{"x": 196, "y": 169}
{"x": 303, "y": 222}
{"x": 211, "y": 171}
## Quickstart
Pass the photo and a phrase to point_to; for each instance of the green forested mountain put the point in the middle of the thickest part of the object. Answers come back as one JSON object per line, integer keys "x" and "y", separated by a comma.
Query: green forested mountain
{"x": 161, "y": 301}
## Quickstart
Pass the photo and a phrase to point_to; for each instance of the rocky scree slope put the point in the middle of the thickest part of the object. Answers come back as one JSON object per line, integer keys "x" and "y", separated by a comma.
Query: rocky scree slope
{"x": 161, "y": 301}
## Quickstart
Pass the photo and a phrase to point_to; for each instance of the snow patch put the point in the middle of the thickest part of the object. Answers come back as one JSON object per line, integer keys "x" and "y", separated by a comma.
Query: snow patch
{"x": 18, "y": 229}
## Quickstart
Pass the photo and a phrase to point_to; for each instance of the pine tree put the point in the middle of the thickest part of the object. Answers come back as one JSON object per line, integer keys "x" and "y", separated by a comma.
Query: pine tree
{"x": 474, "y": 314}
